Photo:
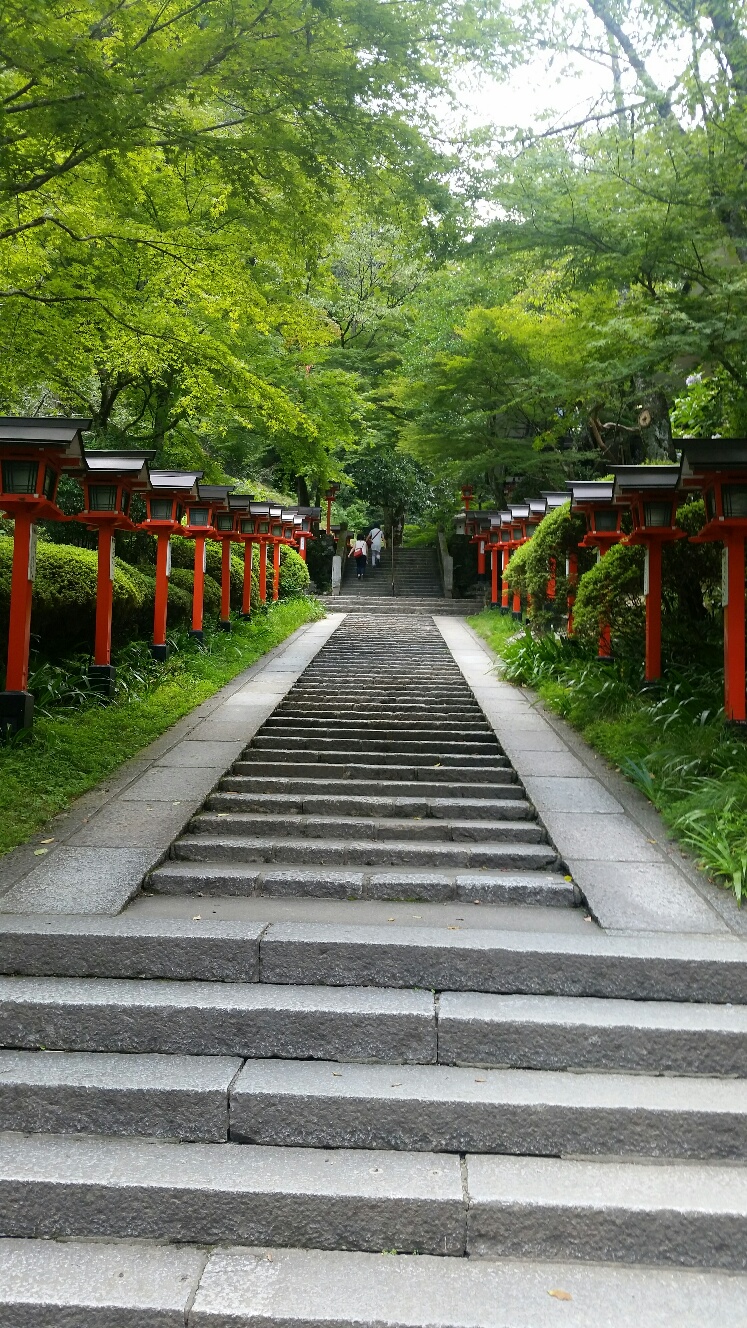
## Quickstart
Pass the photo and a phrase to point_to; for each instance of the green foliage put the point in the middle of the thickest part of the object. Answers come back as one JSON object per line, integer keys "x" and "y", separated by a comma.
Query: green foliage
{"x": 557, "y": 536}
{"x": 611, "y": 593}
{"x": 294, "y": 574}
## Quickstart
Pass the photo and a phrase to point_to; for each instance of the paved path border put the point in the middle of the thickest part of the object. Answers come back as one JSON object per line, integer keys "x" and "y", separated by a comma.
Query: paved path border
{"x": 112, "y": 836}
{"x": 612, "y": 839}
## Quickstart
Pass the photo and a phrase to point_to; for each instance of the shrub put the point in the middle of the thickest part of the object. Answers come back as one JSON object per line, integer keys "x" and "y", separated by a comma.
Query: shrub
{"x": 294, "y": 574}
{"x": 612, "y": 592}
{"x": 64, "y": 602}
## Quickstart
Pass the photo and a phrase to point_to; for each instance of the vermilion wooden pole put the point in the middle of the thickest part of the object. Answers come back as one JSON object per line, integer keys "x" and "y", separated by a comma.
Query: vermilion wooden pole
{"x": 198, "y": 589}
{"x": 162, "y": 594}
{"x": 102, "y": 651}
{"x": 494, "y": 578}
{"x": 653, "y": 610}
{"x": 604, "y": 650}
{"x": 225, "y": 583}
{"x": 21, "y": 589}
{"x": 246, "y": 592}
{"x": 329, "y": 515}
{"x": 263, "y": 570}
{"x": 504, "y": 588}
{"x": 734, "y": 628}
{"x": 481, "y": 557}
{"x": 275, "y": 569}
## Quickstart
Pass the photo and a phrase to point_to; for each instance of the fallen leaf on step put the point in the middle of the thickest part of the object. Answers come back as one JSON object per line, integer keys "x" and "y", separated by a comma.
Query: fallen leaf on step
{"x": 453, "y": 928}
{"x": 481, "y": 1081}
{"x": 197, "y": 917}
{"x": 391, "y": 919}
{"x": 39, "y": 852}
{"x": 567, "y": 878}
{"x": 46, "y": 841}
{"x": 560, "y": 1295}
{"x": 337, "y": 1074}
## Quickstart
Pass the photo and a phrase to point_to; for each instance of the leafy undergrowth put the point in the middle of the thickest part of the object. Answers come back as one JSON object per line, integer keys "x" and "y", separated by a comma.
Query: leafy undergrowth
{"x": 78, "y": 739}
{"x": 669, "y": 740}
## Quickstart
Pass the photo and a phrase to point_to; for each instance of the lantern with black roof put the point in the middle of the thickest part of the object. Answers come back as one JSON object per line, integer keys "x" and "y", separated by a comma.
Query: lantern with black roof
{"x": 307, "y": 528}
{"x": 202, "y": 514}
{"x": 229, "y": 526}
{"x": 34, "y": 452}
{"x": 256, "y": 527}
{"x": 553, "y": 500}
{"x": 494, "y": 548}
{"x": 166, "y": 500}
{"x": 718, "y": 466}
{"x": 329, "y": 497}
{"x": 468, "y": 494}
{"x": 506, "y": 551}
{"x": 477, "y": 528}
{"x": 603, "y": 529}
{"x": 519, "y": 521}
{"x": 109, "y": 482}
{"x": 649, "y": 492}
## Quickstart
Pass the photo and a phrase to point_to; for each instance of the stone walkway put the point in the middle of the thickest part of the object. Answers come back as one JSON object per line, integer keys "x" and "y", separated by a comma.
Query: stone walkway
{"x": 420, "y": 1021}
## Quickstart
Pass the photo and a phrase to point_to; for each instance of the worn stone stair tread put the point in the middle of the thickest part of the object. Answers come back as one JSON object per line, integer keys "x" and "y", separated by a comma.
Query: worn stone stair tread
{"x": 68, "y": 1284}
{"x": 637, "y": 967}
{"x": 172, "y": 1096}
{"x": 335, "y": 1289}
{"x": 438, "y": 1108}
{"x": 415, "y": 883}
{"x": 331, "y": 827}
{"x": 241, "y": 848}
{"x": 231, "y": 1194}
{"x": 368, "y": 789}
{"x": 611, "y": 1210}
{"x": 211, "y": 1019}
{"x": 407, "y": 779}
{"x": 374, "y": 807}
{"x": 557, "y": 1032}
{"x": 130, "y": 946}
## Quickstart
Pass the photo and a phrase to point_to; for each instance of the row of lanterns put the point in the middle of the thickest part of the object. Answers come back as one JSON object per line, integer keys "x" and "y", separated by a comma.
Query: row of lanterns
{"x": 36, "y": 452}
{"x": 716, "y": 468}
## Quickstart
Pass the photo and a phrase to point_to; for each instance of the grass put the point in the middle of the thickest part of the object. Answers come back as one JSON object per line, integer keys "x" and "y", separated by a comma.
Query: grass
{"x": 670, "y": 741}
{"x": 77, "y": 740}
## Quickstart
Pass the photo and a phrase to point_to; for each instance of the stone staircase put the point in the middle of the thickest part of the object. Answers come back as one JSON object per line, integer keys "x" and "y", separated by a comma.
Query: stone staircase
{"x": 357, "y": 1016}
{"x": 417, "y": 587}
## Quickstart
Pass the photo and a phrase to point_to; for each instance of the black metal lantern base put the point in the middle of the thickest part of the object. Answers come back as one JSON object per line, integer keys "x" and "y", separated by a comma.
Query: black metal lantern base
{"x": 245, "y": 617}
{"x": 197, "y": 635}
{"x": 102, "y": 678}
{"x": 224, "y": 625}
{"x": 517, "y": 616}
{"x": 504, "y": 609}
{"x": 160, "y": 653}
{"x": 16, "y": 712}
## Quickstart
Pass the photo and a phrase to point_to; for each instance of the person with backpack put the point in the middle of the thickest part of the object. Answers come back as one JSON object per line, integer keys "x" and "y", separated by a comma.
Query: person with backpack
{"x": 360, "y": 552}
{"x": 374, "y": 542}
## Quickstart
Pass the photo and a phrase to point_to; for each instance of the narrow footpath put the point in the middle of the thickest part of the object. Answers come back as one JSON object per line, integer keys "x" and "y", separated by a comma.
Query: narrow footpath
{"x": 359, "y": 1053}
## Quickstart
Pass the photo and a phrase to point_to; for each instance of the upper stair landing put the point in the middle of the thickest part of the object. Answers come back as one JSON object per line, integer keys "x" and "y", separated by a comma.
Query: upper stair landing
{"x": 416, "y": 576}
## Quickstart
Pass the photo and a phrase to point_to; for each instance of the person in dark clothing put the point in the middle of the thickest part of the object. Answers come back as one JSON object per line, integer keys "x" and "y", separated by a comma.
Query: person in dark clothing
{"x": 360, "y": 553}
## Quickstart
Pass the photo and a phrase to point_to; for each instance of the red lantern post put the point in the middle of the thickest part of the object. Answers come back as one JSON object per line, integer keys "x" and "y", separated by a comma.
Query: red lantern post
{"x": 649, "y": 491}
{"x": 111, "y": 479}
{"x": 519, "y": 519}
{"x": 718, "y": 466}
{"x": 34, "y": 452}
{"x": 227, "y": 523}
{"x": 307, "y": 524}
{"x": 202, "y": 516}
{"x": 169, "y": 491}
{"x": 329, "y": 497}
{"x": 603, "y": 529}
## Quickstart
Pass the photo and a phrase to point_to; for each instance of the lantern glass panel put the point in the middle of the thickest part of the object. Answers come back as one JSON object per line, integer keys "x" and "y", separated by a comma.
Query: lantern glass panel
{"x": 161, "y": 509}
{"x": 20, "y": 476}
{"x": 657, "y": 514}
{"x": 734, "y": 499}
{"x": 277, "y": 529}
{"x": 199, "y": 516}
{"x": 102, "y": 497}
{"x": 264, "y": 527}
{"x": 505, "y": 536}
{"x": 50, "y": 482}
{"x": 225, "y": 522}
{"x": 126, "y": 495}
{"x": 516, "y": 532}
{"x": 247, "y": 526}
{"x": 710, "y": 503}
{"x": 605, "y": 518}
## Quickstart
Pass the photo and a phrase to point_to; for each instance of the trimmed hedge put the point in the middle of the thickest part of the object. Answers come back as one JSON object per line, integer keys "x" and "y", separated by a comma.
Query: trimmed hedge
{"x": 530, "y": 568}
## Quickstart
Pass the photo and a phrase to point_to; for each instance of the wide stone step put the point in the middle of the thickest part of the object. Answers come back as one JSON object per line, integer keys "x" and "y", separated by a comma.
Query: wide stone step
{"x": 497, "y": 775}
{"x": 225, "y": 1194}
{"x": 366, "y": 791}
{"x": 341, "y": 852}
{"x": 559, "y": 1033}
{"x": 422, "y": 884}
{"x": 204, "y": 1019}
{"x": 434, "y": 760}
{"x": 331, "y": 730}
{"x": 676, "y": 968}
{"x": 167, "y": 1096}
{"x": 51, "y": 1283}
{"x": 423, "y": 830}
{"x": 441, "y": 1108}
{"x": 341, "y": 741}
{"x": 326, "y": 804}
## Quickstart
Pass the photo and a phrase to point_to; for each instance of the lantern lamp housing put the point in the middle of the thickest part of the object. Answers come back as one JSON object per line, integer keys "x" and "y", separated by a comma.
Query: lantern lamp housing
{"x": 34, "y": 452}
{"x": 169, "y": 491}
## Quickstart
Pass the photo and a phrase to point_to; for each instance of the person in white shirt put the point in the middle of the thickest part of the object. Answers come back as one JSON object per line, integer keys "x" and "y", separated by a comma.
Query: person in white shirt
{"x": 360, "y": 553}
{"x": 375, "y": 541}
